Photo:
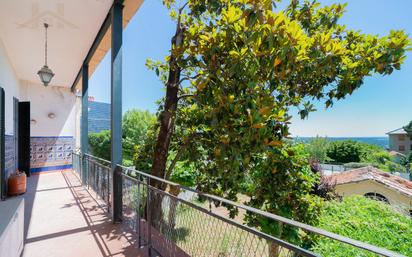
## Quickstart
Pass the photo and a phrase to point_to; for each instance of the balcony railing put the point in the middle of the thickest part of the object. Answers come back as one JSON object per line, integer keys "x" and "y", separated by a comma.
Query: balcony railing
{"x": 181, "y": 221}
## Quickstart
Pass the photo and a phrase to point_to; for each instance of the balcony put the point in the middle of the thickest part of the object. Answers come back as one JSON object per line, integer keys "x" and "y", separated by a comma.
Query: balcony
{"x": 63, "y": 219}
{"x": 80, "y": 205}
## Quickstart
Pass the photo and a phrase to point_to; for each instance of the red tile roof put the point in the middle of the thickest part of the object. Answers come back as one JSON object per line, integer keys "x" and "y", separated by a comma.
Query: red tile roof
{"x": 370, "y": 173}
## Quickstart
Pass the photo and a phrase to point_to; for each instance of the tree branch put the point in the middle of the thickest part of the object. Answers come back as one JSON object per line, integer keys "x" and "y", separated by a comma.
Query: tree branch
{"x": 178, "y": 155}
{"x": 188, "y": 78}
{"x": 180, "y": 16}
{"x": 185, "y": 96}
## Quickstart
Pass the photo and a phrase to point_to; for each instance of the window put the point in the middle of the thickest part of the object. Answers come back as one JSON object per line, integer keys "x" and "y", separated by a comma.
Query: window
{"x": 401, "y": 148}
{"x": 377, "y": 197}
{"x": 401, "y": 137}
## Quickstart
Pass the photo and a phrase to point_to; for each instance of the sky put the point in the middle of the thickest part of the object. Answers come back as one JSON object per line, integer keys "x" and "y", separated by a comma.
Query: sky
{"x": 382, "y": 104}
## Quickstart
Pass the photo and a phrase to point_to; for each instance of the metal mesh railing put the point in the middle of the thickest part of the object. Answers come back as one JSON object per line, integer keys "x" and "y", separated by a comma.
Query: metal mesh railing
{"x": 200, "y": 231}
{"x": 77, "y": 163}
{"x": 99, "y": 178}
{"x": 179, "y": 221}
{"x": 174, "y": 222}
{"x": 175, "y": 225}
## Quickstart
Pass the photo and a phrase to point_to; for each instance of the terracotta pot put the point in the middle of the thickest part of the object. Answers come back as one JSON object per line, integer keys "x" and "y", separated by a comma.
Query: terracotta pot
{"x": 17, "y": 183}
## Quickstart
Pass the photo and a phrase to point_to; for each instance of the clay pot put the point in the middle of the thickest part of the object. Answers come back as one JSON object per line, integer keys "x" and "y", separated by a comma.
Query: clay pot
{"x": 17, "y": 183}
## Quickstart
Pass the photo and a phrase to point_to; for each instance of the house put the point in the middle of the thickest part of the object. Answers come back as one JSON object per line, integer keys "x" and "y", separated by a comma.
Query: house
{"x": 400, "y": 140}
{"x": 376, "y": 184}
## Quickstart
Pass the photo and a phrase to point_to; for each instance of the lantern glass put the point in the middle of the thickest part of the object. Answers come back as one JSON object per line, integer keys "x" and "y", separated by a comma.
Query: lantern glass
{"x": 45, "y": 75}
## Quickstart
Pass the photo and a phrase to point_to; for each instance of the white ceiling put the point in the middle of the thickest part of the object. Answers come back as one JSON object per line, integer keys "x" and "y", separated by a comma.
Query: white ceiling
{"x": 73, "y": 27}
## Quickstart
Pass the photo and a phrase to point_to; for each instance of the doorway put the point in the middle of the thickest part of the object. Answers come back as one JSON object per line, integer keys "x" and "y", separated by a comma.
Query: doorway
{"x": 24, "y": 137}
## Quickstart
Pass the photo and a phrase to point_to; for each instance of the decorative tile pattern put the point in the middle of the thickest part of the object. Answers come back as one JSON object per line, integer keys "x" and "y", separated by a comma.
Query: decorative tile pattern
{"x": 9, "y": 155}
{"x": 47, "y": 153}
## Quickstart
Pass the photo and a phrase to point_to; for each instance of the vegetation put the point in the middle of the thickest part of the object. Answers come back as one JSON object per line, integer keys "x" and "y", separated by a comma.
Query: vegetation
{"x": 352, "y": 154}
{"x": 406, "y": 161}
{"x": 135, "y": 126}
{"x": 99, "y": 144}
{"x": 345, "y": 151}
{"x": 366, "y": 220}
{"x": 317, "y": 149}
{"x": 235, "y": 70}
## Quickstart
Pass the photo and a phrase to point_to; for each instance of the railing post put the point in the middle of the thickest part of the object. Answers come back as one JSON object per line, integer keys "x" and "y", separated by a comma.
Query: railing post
{"x": 138, "y": 211}
{"x": 116, "y": 108}
{"x": 149, "y": 218}
{"x": 108, "y": 191}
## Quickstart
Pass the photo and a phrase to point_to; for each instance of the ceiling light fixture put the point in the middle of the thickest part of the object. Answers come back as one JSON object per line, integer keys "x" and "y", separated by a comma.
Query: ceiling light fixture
{"x": 45, "y": 73}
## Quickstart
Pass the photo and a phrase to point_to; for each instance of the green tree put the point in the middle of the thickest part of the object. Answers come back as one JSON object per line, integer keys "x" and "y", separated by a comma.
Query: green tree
{"x": 135, "y": 125}
{"x": 358, "y": 154}
{"x": 99, "y": 144}
{"x": 318, "y": 148}
{"x": 366, "y": 220}
{"x": 345, "y": 151}
{"x": 235, "y": 70}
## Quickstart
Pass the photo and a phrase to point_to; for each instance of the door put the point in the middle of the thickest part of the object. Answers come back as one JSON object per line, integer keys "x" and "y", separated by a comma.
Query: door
{"x": 24, "y": 137}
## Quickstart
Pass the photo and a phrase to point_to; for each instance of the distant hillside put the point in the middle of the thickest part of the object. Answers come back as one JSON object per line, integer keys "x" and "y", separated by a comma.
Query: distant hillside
{"x": 379, "y": 141}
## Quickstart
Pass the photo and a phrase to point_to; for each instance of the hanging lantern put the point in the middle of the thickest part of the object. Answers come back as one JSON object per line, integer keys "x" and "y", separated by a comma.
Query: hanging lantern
{"x": 45, "y": 73}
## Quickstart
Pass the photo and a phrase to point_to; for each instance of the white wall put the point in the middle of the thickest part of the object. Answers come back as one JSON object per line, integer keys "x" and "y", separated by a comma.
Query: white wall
{"x": 395, "y": 141}
{"x": 10, "y": 83}
{"x": 49, "y": 101}
{"x": 44, "y": 100}
{"x": 53, "y": 115}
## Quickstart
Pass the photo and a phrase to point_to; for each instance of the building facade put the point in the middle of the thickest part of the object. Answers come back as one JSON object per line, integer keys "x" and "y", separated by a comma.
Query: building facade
{"x": 376, "y": 184}
{"x": 99, "y": 116}
{"x": 400, "y": 141}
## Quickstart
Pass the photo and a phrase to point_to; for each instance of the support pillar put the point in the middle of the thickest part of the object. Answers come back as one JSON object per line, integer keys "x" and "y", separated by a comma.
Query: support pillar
{"x": 84, "y": 124}
{"x": 116, "y": 108}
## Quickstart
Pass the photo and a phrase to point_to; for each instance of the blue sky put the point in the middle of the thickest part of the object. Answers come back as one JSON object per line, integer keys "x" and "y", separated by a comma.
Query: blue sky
{"x": 380, "y": 105}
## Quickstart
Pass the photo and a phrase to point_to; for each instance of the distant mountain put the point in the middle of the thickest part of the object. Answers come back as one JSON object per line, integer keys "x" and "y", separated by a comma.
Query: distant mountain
{"x": 379, "y": 141}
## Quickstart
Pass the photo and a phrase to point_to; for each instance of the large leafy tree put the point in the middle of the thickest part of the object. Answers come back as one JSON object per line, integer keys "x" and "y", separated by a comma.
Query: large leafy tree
{"x": 135, "y": 126}
{"x": 236, "y": 69}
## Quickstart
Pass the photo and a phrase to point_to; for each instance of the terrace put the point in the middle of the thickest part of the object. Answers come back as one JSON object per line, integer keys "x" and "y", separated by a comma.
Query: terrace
{"x": 80, "y": 205}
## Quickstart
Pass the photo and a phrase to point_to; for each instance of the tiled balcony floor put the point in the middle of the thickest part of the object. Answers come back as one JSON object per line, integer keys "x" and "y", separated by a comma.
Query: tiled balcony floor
{"x": 63, "y": 219}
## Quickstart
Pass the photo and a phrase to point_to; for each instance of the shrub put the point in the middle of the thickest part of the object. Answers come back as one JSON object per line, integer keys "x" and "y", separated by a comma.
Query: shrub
{"x": 344, "y": 151}
{"x": 317, "y": 149}
{"x": 135, "y": 125}
{"x": 365, "y": 220}
{"x": 100, "y": 144}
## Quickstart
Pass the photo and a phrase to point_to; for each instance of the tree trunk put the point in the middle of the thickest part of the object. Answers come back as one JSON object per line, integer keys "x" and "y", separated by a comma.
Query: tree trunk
{"x": 175, "y": 191}
{"x": 167, "y": 117}
{"x": 274, "y": 250}
{"x": 166, "y": 120}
